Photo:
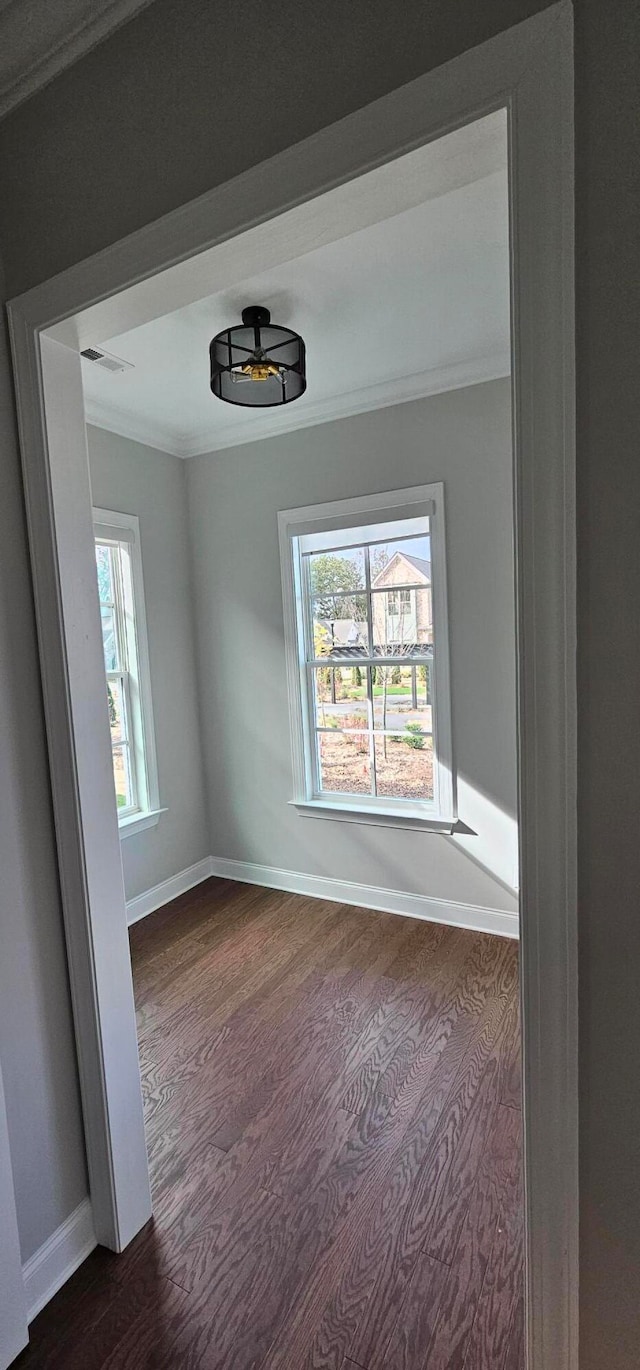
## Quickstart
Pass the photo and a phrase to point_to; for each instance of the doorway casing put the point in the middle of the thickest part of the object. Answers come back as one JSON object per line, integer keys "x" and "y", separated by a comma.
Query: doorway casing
{"x": 528, "y": 70}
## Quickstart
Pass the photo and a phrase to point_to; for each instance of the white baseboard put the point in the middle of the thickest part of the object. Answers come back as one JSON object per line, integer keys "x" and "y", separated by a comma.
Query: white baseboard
{"x": 55, "y": 1262}
{"x": 324, "y": 887}
{"x": 370, "y": 896}
{"x": 169, "y": 889}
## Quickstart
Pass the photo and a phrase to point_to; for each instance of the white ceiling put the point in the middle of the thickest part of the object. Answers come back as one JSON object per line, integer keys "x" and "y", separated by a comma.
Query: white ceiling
{"x": 401, "y": 308}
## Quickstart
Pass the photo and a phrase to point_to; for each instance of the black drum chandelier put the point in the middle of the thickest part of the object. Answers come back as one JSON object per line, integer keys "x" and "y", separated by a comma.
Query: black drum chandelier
{"x": 257, "y": 363}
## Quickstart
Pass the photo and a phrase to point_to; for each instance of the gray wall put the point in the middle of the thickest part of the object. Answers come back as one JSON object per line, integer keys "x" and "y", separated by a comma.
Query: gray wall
{"x": 135, "y": 479}
{"x": 133, "y": 130}
{"x": 462, "y": 438}
{"x": 164, "y": 109}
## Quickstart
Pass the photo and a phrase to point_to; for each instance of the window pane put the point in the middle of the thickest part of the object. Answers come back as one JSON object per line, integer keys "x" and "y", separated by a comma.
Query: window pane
{"x": 404, "y": 766}
{"x": 109, "y": 639}
{"x": 340, "y": 626}
{"x": 331, "y": 572}
{"x": 344, "y": 762}
{"x": 117, "y": 711}
{"x": 406, "y": 560}
{"x": 340, "y": 697}
{"x": 122, "y": 777}
{"x": 105, "y": 573}
{"x": 402, "y": 696}
{"x": 402, "y": 619}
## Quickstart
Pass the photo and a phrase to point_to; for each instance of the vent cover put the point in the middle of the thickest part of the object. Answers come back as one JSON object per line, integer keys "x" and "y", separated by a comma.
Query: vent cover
{"x": 105, "y": 360}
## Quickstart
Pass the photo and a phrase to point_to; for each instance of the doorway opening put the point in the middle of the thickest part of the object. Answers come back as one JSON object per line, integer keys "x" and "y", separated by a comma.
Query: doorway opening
{"x": 303, "y": 1056}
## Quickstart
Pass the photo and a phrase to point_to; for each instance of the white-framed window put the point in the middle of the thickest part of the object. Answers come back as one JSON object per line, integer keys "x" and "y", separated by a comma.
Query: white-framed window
{"x": 367, "y": 645}
{"x": 126, "y": 661}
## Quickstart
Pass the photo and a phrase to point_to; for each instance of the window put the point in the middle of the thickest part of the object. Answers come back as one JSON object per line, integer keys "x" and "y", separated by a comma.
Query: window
{"x": 399, "y": 601}
{"x": 367, "y": 656}
{"x": 128, "y": 686}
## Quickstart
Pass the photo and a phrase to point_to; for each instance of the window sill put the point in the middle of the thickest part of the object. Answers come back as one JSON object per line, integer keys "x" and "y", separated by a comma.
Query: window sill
{"x": 137, "y": 822}
{"x": 412, "y": 819}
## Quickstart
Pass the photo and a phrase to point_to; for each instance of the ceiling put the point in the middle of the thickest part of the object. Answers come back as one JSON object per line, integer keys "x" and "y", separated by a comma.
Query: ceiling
{"x": 38, "y": 38}
{"x": 405, "y": 307}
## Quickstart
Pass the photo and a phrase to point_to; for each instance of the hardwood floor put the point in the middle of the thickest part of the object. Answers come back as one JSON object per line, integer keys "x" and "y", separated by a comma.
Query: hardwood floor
{"x": 333, "y": 1123}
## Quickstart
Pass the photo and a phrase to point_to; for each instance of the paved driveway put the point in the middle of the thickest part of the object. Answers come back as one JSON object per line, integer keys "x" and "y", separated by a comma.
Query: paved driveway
{"x": 395, "y": 720}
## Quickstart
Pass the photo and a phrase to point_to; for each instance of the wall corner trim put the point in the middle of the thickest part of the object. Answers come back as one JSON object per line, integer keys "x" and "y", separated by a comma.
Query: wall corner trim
{"x": 375, "y": 897}
{"x": 58, "y": 1258}
{"x": 167, "y": 890}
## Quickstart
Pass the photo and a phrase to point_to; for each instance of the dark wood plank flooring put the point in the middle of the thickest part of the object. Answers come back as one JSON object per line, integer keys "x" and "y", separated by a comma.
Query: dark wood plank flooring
{"x": 333, "y": 1123}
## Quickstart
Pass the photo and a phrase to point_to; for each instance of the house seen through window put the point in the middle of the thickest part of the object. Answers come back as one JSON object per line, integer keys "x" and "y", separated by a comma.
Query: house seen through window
{"x": 374, "y": 717}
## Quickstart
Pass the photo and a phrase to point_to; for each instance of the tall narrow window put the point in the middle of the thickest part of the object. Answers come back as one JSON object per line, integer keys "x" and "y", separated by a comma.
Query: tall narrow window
{"x": 128, "y": 686}
{"x": 367, "y": 643}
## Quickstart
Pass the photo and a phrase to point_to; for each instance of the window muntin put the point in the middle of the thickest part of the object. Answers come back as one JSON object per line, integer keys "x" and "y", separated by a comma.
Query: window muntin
{"x": 363, "y": 628}
{"x": 128, "y": 688}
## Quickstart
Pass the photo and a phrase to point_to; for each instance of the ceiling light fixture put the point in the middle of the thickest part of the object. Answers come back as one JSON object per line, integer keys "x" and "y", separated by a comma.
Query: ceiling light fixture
{"x": 257, "y": 363}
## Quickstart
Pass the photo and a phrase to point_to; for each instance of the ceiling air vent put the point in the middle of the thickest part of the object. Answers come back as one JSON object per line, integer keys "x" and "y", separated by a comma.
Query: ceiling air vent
{"x": 105, "y": 360}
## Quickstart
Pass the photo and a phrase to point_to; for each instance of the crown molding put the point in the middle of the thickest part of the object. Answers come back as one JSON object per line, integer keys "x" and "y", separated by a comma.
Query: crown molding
{"x": 134, "y": 427}
{"x": 39, "y": 39}
{"x": 273, "y": 423}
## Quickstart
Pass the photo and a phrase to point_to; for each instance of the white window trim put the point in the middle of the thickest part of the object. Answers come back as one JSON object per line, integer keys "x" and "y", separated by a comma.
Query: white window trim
{"x": 137, "y": 822}
{"x": 149, "y": 810}
{"x": 442, "y": 816}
